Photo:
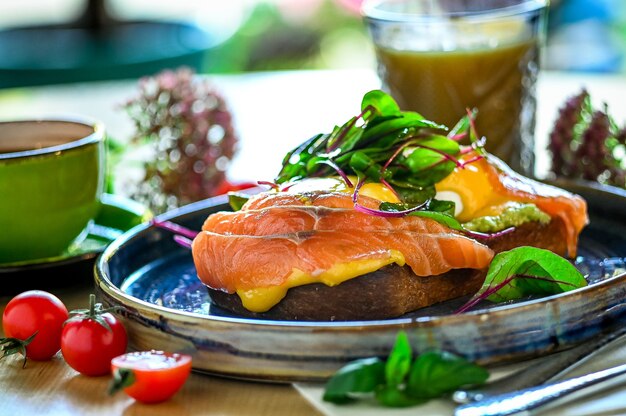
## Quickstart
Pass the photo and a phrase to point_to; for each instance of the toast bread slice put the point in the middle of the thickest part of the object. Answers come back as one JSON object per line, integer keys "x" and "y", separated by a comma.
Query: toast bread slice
{"x": 393, "y": 290}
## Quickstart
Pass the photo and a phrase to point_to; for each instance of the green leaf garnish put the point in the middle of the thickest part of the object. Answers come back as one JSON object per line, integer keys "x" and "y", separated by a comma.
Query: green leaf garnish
{"x": 441, "y": 217}
{"x": 399, "y": 361}
{"x": 442, "y": 206}
{"x": 392, "y": 396}
{"x": 525, "y": 271}
{"x": 435, "y": 373}
{"x": 381, "y": 101}
{"x": 360, "y": 376}
{"x": 400, "y": 383}
{"x": 400, "y": 149}
{"x": 440, "y": 211}
{"x": 429, "y": 151}
{"x": 236, "y": 200}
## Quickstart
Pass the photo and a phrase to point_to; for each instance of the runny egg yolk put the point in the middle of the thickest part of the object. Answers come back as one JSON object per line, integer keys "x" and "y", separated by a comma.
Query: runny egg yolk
{"x": 373, "y": 190}
{"x": 469, "y": 187}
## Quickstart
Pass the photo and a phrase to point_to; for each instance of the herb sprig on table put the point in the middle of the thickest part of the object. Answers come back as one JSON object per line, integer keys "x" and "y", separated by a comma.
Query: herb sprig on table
{"x": 400, "y": 149}
{"x": 401, "y": 380}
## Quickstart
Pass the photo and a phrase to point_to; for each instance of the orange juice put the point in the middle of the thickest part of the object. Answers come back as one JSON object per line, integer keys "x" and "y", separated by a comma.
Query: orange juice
{"x": 442, "y": 85}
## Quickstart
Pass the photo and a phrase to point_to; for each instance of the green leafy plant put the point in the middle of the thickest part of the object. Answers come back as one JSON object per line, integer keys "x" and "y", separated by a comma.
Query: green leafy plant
{"x": 402, "y": 381}
{"x": 525, "y": 271}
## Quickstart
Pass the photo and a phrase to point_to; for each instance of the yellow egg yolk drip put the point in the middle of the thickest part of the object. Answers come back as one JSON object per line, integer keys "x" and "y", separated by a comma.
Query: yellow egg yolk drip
{"x": 264, "y": 298}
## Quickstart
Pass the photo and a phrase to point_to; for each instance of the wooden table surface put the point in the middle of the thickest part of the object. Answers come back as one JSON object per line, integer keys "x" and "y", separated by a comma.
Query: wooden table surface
{"x": 54, "y": 388}
{"x": 273, "y": 112}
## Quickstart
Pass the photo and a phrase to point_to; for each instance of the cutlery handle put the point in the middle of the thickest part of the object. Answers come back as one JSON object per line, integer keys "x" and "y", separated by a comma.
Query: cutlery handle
{"x": 523, "y": 401}
{"x": 545, "y": 371}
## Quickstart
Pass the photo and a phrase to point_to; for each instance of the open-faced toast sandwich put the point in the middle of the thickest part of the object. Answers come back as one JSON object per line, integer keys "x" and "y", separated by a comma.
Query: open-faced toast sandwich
{"x": 387, "y": 214}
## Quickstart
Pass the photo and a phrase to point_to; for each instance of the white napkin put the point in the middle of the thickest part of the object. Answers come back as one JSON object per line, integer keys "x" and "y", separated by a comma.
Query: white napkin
{"x": 604, "y": 403}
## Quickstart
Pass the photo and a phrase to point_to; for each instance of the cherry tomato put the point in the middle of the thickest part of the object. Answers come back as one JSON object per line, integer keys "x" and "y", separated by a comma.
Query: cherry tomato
{"x": 37, "y": 313}
{"x": 150, "y": 376}
{"x": 91, "y": 338}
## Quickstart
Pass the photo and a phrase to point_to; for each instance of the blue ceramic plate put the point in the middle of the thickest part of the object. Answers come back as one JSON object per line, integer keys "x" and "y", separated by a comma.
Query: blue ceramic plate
{"x": 168, "y": 308}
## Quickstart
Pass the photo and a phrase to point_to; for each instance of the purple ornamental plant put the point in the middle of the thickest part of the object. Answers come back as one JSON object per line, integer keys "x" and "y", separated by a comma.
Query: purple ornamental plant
{"x": 188, "y": 128}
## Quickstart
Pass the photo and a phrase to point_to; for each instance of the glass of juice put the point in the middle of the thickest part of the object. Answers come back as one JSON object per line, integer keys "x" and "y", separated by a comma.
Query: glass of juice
{"x": 442, "y": 57}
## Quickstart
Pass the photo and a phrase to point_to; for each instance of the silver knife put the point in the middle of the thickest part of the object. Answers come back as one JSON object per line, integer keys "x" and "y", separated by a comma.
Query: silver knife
{"x": 546, "y": 396}
{"x": 547, "y": 370}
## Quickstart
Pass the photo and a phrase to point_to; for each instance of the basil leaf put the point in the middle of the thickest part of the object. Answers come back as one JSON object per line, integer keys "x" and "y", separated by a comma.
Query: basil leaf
{"x": 237, "y": 200}
{"x": 436, "y": 373}
{"x": 392, "y": 396}
{"x": 399, "y": 361}
{"x": 360, "y": 376}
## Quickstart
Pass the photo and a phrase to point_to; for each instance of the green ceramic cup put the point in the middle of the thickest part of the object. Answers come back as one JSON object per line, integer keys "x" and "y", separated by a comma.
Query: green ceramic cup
{"x": 51, "y": 180}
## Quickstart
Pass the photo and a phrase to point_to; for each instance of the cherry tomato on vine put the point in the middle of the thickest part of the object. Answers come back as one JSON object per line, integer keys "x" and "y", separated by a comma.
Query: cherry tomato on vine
{"x": 91, "y": 338}
{"x": 150, "y": 376}
{"x": 32, "y": 322}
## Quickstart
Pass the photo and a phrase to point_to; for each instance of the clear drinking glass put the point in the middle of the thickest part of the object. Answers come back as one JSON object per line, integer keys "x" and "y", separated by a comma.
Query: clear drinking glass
{"x": 441, "y": 57}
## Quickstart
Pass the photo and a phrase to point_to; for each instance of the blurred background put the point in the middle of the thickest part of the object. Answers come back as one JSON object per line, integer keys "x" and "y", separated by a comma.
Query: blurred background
{"x": 58, "y": 41}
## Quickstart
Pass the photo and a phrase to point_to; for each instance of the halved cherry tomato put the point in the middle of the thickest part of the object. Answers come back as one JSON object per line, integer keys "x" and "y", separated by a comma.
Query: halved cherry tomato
{"x": 150, "y": 376}
{"x": 91, "y": 338}
{"x": 32, "y": 322}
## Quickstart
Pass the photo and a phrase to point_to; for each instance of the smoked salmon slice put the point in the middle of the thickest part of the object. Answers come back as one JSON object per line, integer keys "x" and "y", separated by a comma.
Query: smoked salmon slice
{"x": 277, "y": 233}
{"x": 555, "y": 202}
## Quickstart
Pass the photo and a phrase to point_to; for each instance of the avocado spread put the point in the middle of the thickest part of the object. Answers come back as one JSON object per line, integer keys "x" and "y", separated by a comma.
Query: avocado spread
{"x": 513, "y": 215}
